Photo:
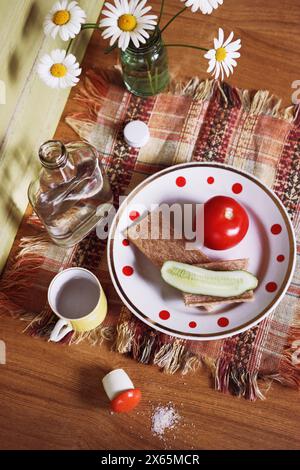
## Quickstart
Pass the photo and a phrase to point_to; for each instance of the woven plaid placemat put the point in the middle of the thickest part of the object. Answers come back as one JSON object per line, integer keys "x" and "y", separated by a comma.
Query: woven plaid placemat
{"x": 202, "y": 121}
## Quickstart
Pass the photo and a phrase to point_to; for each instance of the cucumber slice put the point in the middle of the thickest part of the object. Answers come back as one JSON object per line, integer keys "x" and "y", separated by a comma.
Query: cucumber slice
{"x": 195, "y": 280}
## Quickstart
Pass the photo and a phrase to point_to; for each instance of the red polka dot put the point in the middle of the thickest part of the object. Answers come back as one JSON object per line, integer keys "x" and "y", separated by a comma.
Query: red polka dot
{"x": 276, "y": 229}
{"x": 271, "y": 287}
{"x": 181, "y": 181}
{"x": 134, "y": 215}
{"x": 128, "y": 271}
{"x": 280, "y": 258}
{"x": 210, "y": 180}
{"x": 237, "y": 188}
{"x": 125, "y": 242}
{"x": 192, "y": 324}
{"x": 164, "y": 315}
{"x": 223, "y": 322}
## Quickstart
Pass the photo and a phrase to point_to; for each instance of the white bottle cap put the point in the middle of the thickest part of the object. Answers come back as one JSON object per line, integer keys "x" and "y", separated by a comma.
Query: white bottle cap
{"x": 116, "y": 382}
{"x": 136, "y": 134}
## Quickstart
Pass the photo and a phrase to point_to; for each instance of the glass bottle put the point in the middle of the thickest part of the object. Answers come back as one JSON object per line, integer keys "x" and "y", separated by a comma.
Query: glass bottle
{"x": 145, "y": 69}
{"x": 72, "y": 192}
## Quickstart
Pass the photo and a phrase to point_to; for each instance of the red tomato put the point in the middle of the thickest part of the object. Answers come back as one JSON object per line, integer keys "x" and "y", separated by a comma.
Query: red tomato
{"x": 126, "y": 401}
{"x": 225, "y": 223}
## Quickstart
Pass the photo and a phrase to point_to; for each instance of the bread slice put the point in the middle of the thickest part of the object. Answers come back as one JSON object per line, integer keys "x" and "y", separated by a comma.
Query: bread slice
{"x": 159, "y": 250}
{"x": 207, "y": 301}
{"x": 192, "y": 300}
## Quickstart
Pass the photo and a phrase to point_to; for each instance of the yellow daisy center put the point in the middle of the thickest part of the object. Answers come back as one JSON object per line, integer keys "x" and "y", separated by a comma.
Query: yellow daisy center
{"x": 58, "y": 70}
{"x": 221, "y": 54}
{"x": 127, "y": 22}
{"x": 61, "y": 17}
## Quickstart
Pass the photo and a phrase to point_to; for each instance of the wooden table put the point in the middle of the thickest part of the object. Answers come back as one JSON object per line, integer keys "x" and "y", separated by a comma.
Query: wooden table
{"x": 51, "y": 396}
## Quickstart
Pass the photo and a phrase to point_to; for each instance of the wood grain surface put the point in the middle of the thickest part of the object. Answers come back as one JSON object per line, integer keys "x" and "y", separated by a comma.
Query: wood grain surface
{"x": 51, "y": 395}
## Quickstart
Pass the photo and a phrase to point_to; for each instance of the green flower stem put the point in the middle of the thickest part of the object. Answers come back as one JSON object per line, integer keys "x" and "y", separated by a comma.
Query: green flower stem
{"x": 173, "y": 18}
{"x": 97, "y": 27}
{"x": 162, "y": 4}
{"x": 69, "y": 46}
{"x": 151, "y": 83}
{"x": 153, "y": 91}
{"x": 89, "y": 26}
{"x": 110, "y": 48}
{"x": 83, "y": 27}
{"x": 187, "y": 45}
{"x": 156, "y": 78}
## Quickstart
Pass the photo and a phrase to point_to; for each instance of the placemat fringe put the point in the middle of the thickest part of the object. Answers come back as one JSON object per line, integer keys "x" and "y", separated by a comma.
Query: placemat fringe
{"x": 190, "y": 363}
{"x": 94, "y": 337}
{"x": 24, "y": 272}
{"x": 146, "y": 350}
{"x": 42, "y": 324}
{"x": 93, "y": 94}
{"x": 196, "y": 88}
{"x": 262, "y": 102}
{"x": 237, "y": 380}
{"x": 9, "y": 307}
{"x": 170, "y": 356}
{"x": 297, "y": 115}
{"x": 125, "y": 334}
{"x": 289, "y": 367}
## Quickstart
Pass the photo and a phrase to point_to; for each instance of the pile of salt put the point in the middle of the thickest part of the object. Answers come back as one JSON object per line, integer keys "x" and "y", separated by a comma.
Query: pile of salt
{"x": 163, "y": 418}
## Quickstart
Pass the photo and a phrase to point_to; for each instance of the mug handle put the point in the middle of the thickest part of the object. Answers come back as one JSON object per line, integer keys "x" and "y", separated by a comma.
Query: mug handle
{"x": 61, "y": 329}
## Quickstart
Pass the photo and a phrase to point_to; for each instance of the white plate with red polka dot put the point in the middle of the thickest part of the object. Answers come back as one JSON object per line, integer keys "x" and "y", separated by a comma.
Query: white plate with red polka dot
{"x": 269, "y": 244}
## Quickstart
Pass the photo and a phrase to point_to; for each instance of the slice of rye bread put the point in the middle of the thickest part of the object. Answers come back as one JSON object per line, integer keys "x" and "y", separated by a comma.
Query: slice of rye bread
{"x": 208, "y": 301}
{"x": 159, "y": 250}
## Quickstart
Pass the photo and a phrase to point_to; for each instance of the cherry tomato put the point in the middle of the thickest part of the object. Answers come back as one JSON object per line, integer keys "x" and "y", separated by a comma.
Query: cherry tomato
{"x": 126, "y": 401}
{"x": 225, "y": 223}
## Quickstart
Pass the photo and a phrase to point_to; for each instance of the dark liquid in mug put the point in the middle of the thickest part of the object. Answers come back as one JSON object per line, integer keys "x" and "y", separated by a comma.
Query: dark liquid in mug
{"x": 77, "y": 298}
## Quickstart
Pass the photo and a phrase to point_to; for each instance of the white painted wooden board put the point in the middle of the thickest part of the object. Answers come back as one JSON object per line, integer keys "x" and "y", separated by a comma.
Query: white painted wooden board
{"x": 29, "y": 110}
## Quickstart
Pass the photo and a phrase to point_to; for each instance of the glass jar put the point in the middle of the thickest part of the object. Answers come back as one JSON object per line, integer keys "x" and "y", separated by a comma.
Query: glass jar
{"x": 72, "y": 192}
{"x": 145, "y": 69}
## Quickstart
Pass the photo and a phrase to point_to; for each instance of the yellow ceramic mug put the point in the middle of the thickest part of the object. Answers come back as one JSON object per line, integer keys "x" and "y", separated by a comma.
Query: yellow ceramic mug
{"x": 76, "y": 296}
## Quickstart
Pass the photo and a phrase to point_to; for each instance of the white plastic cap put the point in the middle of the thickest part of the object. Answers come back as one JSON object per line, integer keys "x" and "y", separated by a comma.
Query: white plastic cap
{"x": 136, "y": 134}
{"x": 116, "y": 382}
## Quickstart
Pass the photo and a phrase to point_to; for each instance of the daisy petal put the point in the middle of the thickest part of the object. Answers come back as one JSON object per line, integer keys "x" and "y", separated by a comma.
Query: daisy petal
{"x": 210, "y": 54}
{"x": 234, "y": 55}
{"x": 217, "y": 71}
{"x": 211, "y": 66}
{"x": 228, "y": 39}
{"x": 232, "y": 62}
{"x": 226, "y": 69}
{"x": 135, "y": 39}
{"x": 221, "y": 37}
{"x": 141, "y": 38}
{"x": 206, "y": 6}
{"x": 107, "y": 22}
{"x": 114, "y": 37}
{"x": 234, "y": 46}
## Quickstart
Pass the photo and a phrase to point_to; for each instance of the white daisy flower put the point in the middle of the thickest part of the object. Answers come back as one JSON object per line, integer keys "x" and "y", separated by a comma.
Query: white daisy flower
{"x": 65, "y": 19}
{"x": 127, "y": 20}
{"x": 222, "y": 57}
{"x": 206, "y": 6}
{"x": 59, "y": 70}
